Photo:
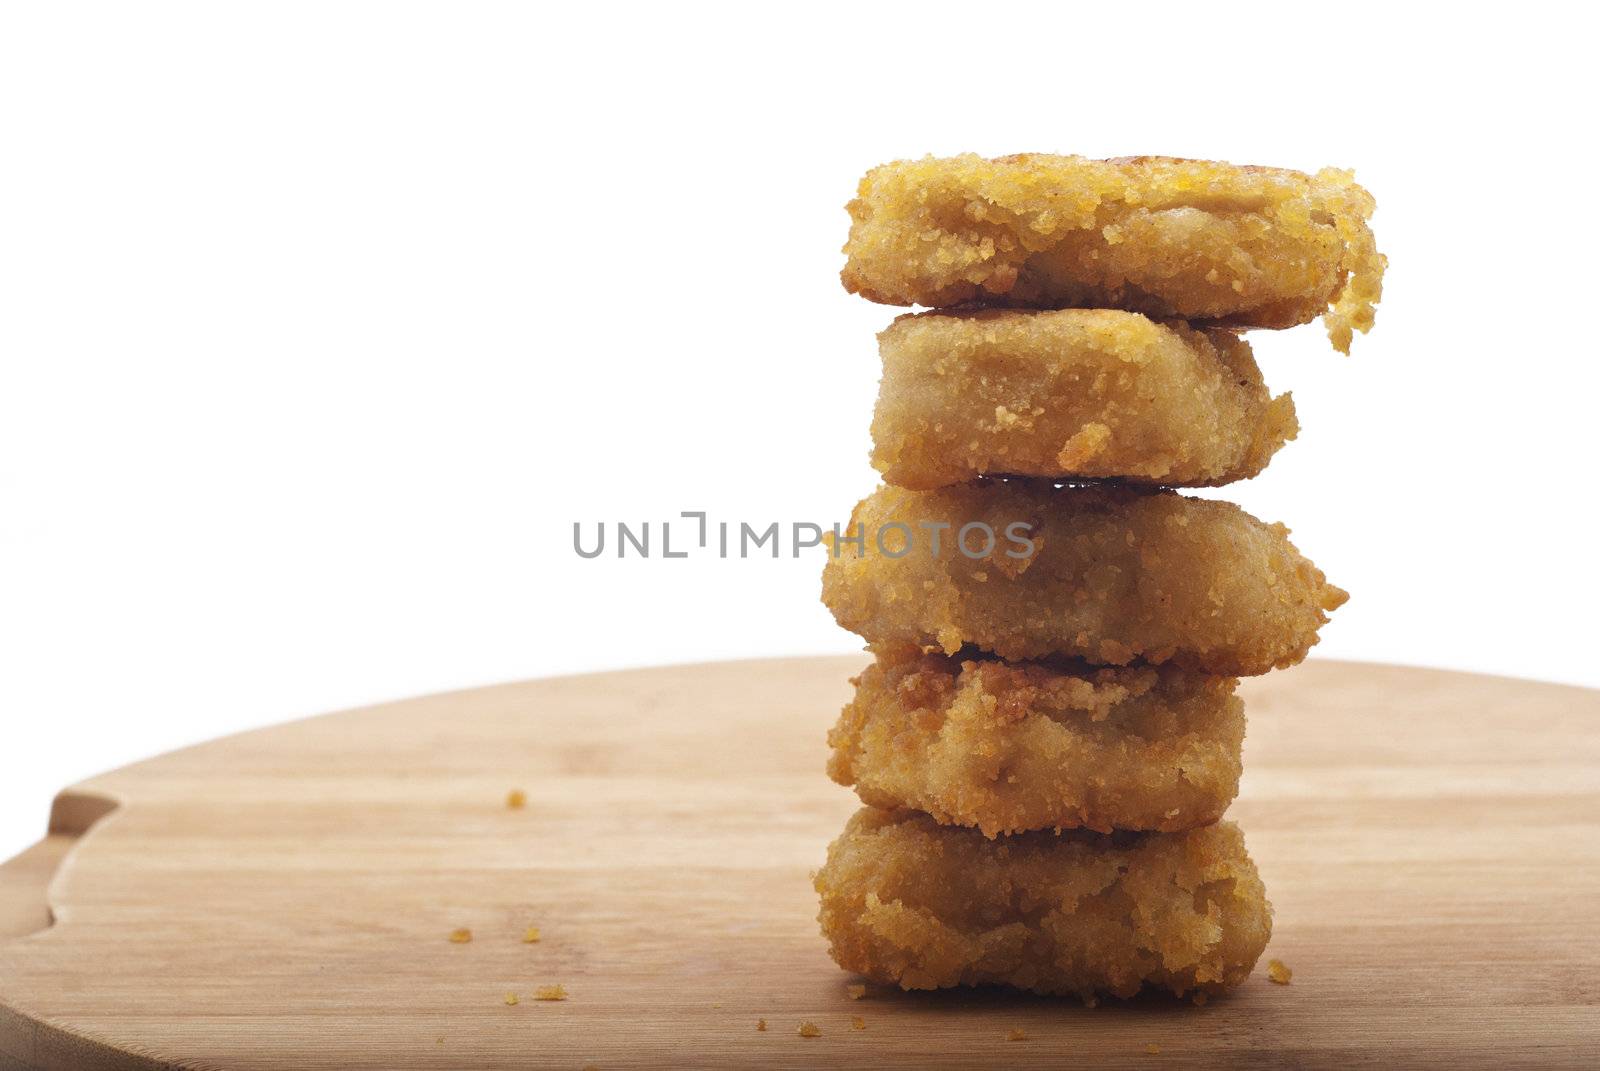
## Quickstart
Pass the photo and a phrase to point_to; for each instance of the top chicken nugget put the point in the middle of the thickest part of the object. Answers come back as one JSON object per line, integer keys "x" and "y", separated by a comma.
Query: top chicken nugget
{"x": 1215, "y": 243}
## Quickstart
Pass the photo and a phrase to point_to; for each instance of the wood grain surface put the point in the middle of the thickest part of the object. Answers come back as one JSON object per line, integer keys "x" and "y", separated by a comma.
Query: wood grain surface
{"x": 283, "y": 899}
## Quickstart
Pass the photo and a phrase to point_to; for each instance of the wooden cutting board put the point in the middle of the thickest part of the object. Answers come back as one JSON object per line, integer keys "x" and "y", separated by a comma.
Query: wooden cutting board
{"x": 283, "y": 899}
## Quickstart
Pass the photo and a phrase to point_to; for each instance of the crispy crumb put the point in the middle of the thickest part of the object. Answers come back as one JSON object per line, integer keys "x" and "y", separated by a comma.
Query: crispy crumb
{"x": 856, "y": 991}
{"x": 857, "y": 1023}
{"x": 809, "y": 1030}
{"x": 761, "y": 1025}
{"x": 530, "y": 936}
{"x": 512, "y": 999}
{"x": 460, "y": 936}
{"x": 1279, "y": 972}
{"x": 1153, "y": 1049}
{"x": 516, "y": 799}
{"x": 1017, "y": 1035}
{"x": 550, "y": 992}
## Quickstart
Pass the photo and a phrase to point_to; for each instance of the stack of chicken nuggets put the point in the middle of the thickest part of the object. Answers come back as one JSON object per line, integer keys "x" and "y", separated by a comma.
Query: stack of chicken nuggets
{"x": 1048, "y": 736}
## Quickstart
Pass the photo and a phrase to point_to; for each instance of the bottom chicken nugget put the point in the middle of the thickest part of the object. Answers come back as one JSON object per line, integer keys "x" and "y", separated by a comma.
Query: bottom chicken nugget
{"x": 924, "y": 906}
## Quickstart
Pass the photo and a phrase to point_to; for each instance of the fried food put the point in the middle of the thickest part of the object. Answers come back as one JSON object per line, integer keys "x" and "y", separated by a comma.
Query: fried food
{"x": 1191, "y": 239}
{"x": 1009, "y": 747}
{"x": 924, "y": 906}
{"x": 1070, "y": 393}
{"x": 1024, "y": 570}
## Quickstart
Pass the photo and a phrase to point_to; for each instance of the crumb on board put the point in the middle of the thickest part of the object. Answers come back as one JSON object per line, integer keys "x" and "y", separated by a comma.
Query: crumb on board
{"x": 530, "y": 936}
{"x": 1279, "y": 972}
{"x": 460, "y": 935}
{"x": 761, "y": 1025}
{"x": 856, "y": 991}
{"x": 512, "y": 1000}
{"x": 809, "y": 1030}
{"x": 857, "y": 1023}
{"x": 1153, "y": 1049}
{"x": 1017, "y": 1034}
{"x": 516, "y": 799}
{"x": 550, "y": 992}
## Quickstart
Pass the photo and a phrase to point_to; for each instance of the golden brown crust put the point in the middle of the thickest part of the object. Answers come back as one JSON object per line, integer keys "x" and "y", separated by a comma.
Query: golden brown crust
{"x": 1010, "y": 747}
{"x": 1070, "y": 393}
{"x": 908, "y": 902}
{"x": 1113, "y": 576}
{"x": 1192, "y": 239}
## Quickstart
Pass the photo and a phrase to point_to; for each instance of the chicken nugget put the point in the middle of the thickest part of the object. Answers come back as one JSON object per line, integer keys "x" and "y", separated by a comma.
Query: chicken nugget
{"x": 1070, "y": 393}
{"x": 1015, "y": 746}
{"x": 1191, "y": 239}
{"x": 1022, "y": 569}
{"x": 923, "y": 906}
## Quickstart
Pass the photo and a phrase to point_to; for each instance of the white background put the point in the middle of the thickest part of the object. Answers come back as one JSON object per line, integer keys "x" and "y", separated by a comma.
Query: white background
{"x": 321, "y": 324}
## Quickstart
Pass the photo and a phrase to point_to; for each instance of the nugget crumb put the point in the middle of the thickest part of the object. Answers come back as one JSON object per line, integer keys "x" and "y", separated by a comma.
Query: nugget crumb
{"x": 761, "y": 1025}
{"x": 1017, "y": 1035}
{"x": 856, "y": 991}
{"x": 857, "y": 1023}
{"x": 460, "y": 936}
{"x": 809, "y": 1030}
{"x": 1153, "y": 1049}
{"x": 512, "y": 999}
{"x": 516, "y": 799}
{"x": 530, "y": 936}
{"x": 1278, "y": 972}
{"x": 550, "y": 992}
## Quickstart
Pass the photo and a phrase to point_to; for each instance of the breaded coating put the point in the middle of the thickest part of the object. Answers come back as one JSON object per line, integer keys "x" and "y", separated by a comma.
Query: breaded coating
{"x": 1189, "y": 239}
{"x": 1015, "y": 746}
{"x": 1104, "y": 574}
{"x": 924, "y": 906}
{"x": 1070, "y": 393}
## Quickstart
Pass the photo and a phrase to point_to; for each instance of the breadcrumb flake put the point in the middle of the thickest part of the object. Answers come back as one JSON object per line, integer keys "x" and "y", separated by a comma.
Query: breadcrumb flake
{"x": 460, "y": 936}
{"x": 1279, "y": 972}
{"x": 809, "y": 1030}
{"x": 550, "y": 992}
